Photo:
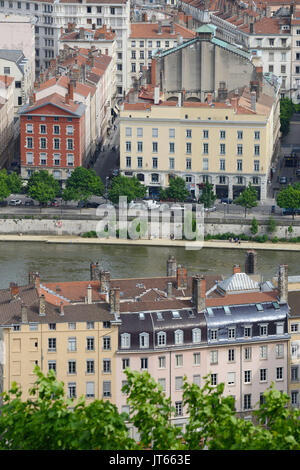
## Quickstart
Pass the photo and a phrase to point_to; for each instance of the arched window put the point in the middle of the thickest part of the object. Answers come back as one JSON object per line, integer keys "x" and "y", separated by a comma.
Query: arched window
{"x": 178, "y": 337}
{"x": 161, "y": 338}
{"x": 125, "y": 340}
{"x": 196, "y": 335}
{"x": 144, "y": 340}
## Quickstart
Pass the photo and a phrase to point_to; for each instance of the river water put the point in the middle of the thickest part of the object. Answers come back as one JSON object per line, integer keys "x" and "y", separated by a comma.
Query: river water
{"x": 70, "y": 262}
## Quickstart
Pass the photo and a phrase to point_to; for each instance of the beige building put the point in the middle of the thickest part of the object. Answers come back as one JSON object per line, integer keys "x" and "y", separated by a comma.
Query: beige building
{"x": 294, "y": 355}
{"x": 7, "y": 85}
{"x": 229, "y": 144}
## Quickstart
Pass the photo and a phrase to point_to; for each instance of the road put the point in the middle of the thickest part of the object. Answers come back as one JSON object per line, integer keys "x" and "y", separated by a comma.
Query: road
{"x": 108, "y": 158}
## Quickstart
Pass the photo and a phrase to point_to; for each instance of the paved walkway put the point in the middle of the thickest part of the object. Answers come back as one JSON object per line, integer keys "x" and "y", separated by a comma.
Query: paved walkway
{"x": 157, "y": 242}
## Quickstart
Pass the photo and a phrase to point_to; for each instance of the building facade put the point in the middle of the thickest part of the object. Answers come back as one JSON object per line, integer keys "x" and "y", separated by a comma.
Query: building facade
{"x": 7, "y": 87}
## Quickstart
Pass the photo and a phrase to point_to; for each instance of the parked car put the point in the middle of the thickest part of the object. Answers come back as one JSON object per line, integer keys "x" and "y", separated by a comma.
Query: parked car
{"x": 151, "y": 204}
{"x": 226, "y": 200}
{"x": 29, "y": 202}
{"x": 87, "y": 204}
{"x": 283, "y": 180}
{"x": 137, "y": 205}
{"x": 53, "y": 203}
{"x": 290, "y": 211}
{"x": 3, "y": 203}
{"x": 191, "y": 199}
{"x": 15, "y": 202}
{"x": 210, "y": 209}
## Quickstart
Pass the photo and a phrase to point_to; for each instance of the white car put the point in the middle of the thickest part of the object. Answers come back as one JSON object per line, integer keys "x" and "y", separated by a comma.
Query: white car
{"x": 152, "y": 204}
{"x": 15, "y": 202}
{"x": 137, "y": 205}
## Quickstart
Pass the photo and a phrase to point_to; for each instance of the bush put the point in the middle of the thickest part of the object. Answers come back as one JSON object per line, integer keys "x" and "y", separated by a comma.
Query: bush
{"x": 91, "y": 234}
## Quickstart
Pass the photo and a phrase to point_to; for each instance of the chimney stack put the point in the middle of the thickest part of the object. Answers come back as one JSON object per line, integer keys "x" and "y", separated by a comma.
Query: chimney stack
{"x": 89, "y": 294}
{"x": 199, "y": 293}
{"x": 156, "y": 95}
{"x": 253, "y": 101}
{"x": 159, "y": 27}
{"x": 181, "y": 277}
{"x": 94, "y": 271}
{"x": 169, "y": 289}
{"x": 114, "y": 300}
{"x": 37, "y": 281}
{"x": 250, "y": 263}
{"x": 42, "y": 306}
{"x": 236, "y": 269}
{"x": 14, "y": 291}
{"x": 171, "y": 266}
{"x": 71, "y": 91}
{"x": 104, "y": 277}
{"x": 24, "y": 313}
{"x": 283, "y": 283}
{"x": 61, "y": 309}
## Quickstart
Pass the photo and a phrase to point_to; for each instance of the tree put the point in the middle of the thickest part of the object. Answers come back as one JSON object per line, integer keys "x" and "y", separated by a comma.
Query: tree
{"x": 290, "y": 230}
{"x": 42, "y": 186}
{"x": 177, "y": 190}
{"x": 287, "y": 109}
{"x": 14, "y": 182}
{"x": 124, "y": 186}
{"x": 46, "y": 422}
{"x": 207, "y": 197}
{"x": 289, "y": 198}
{"x": 82, "y": 184}
{"x": 254, "y": 226}
{"x": 247, "y": 199}
{"x": 4, "y": 188}
{"x": 272, "y": 225}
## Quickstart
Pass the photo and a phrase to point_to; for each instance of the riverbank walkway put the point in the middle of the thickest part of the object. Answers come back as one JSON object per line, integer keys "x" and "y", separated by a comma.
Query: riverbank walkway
{"x": 154, "y": 242}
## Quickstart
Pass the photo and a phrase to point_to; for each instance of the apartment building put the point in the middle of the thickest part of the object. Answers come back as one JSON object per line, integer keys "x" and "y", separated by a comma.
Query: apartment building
{"x": 53, "y": 136}
{"x": 52, "y": 16}
{"x": 148, "y": 38}
{"x": 7, "y": 87}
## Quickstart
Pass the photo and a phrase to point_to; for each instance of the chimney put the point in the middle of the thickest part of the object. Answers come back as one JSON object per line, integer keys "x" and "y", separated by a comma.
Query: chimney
{"x": 250, "y": 263}
{"x": 159, "y": 27}
{"x": 171, "y": 266}
{"x": 24, "y": 313}
{"x": 181, "y": 277}
{"x": 253, "y": 101}
{"x": 180, "y": 99}
{"x": 236, "y": 269}
{"x": 114, "y": 300}
{"x": 104, "y": 277}
{"x": 156, "y": 95}
{"x": 61, "y": 309}
{"x": 251, "y": 28}
{"x": 199, "y": 293}
{"x": 71, "y": 91}
{"x": 81, "y": 33}
{"x": 42, "y": 306}
{"x": 153, "y": 72}
{"x": 37, "y": 281}
{"x": 283, "y": 283}
{"x": 14, "y": 291}
{"x": 169, "y": 289}
{"x": 94, "y": 271}
{"x": 89, "y": 294}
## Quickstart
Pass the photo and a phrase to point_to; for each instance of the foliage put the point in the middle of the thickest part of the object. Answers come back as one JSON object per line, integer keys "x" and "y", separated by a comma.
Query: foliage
{"x": 272, "y": 225}
{"x": 46, "y": 421}
{"x": 42, "y": 186}
{"x": 82, "y": 184}
{"x": 290, "y": 229}
{"x": 121, "y": 185}
{"x": 176, "y": 191}
{"x": 247, "y": 199}
{"x": 4, "y": 188}
{"x": 254, "y": 226}
{"x": 207, "y": 197}
{"x": 14, "y": 183}
{"x": 287, "y": 109}
{"x": 289, "y": 198}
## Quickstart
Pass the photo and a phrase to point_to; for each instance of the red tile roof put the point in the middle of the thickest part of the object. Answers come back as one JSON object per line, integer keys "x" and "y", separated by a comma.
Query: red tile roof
{"x": 150, "y": 30}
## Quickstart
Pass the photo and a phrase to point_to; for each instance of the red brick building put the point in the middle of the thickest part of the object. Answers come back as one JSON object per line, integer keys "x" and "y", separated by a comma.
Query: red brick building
{"x": 52, "y": 136}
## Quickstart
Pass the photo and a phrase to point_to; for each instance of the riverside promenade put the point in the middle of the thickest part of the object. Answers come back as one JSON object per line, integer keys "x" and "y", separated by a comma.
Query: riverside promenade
{"x": 154, "y": 242}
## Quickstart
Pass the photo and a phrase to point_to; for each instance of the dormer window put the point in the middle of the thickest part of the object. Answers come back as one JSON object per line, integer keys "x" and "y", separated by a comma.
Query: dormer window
{"x": 196, "y": 332}
{"x": 231, "y": 333}
{"x": 176, "y": 315}
{"x": 144, "y": 340}
{"x": 125, "y": 340}
{"x": 213, "y": 334}
{"x": 161, "y": 338}
{"x": 178, "y": 337}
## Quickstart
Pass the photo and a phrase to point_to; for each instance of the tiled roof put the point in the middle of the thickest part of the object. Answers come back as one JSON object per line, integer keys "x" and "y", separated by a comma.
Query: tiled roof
{"x": 150, "y": 30}
{"x": 238, "y": 282}
{"x": 76, "y": 109}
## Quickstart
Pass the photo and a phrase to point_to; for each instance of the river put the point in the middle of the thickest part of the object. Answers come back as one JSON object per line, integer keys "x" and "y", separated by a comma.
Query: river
{"x": 70, "y": 262}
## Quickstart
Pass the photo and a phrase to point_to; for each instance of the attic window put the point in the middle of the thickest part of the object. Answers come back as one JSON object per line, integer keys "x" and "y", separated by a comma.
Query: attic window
{"x": 210, "y": 311}
{"x": 191, "y": 314}
{"x": 276, "y": 305}
{"x": 141, "y": 316}
{"x": 259, "y": 307}
{"x": 227, "y": 310}
{"x": 159, "y": 316}
{"x": 176, "y": 314}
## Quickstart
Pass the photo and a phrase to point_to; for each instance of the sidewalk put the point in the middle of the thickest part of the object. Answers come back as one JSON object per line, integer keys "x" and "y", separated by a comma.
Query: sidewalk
{"x": 156, "y": 242}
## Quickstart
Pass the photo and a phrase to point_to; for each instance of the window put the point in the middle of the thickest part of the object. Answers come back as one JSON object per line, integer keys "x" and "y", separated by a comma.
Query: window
{"x": 72, "y": 326}
{"x": 205, "y": 149}
{"x": 90, "y": 325}
{"x": 256, "y": 135}
{"x": 106, "y": 343}
{"x": 188, "y": 164}
{"x": 171, "y": 163}
{"x": 154, "y": 132}
{"x": 279, "y": 373}
{"x": 222, "y": 149}
{"x": 128, "y": 132}
{"x": 188, "y": 147}
{"x": 29, "y": 158}
{"x": 29, "y": 142}
{"x": 140, "y": 162}
{"x": 231, "y": 333}
{"x": 178, "y": 383}
{"x": 71, "y": 367}
{"x": 231, "y": 378}
{"x": 239, "y": 135}
{"x": 72, "y": 390}
{"x": 154, "y": 147}
{"x": 179, "y": 360}
{"x": 196, "y": 380}
{"x": 90, "y": 343}
{"x": 172, "y": 133}
{"x": 125, "y": 340}
{"x": 29, "y": 128}
{"x": 106, "y": 366}
{"x": 214, "y": 379}
{"x": 70, "y": 130}
{"x": 294, "y": 397}
{"x": 52, "y": 326}
{"x": 247, "y": 331}
{"x": 196, "y": 357}
{"x": 6, "y": 70}
{"x": 213, "y": 334}
{"x": 271, "y": 68}
{"x": 128, "y": 146}
{"x": 70, "y": 159}
{"x": 112, "y": 10}
{"x": 196, "y": 334}
{"x": 188, "y": 133}
{"x": 294, "y": 327}
{"x": 154, "y": 162}
{"x": 56, "y": 144}
{"x": 214, "y": 357}
{"x": 162, "y": 383}
{"x": 144, "y": 363}
{"x": 247, "y": 401}
{"x": 140, "y": 146}
{"x": 247, "y": 376}
{"x": 90, "y": 389}
{"x": 239, "y": 165}
{"x": 256, "y": 165}
{"x": 125, "y": 363}
{"x": 279, "y": 351}
{"x": 71, "y": 344}
{"x": 263, "y": 375}
{"x": 279, "y": 328}
{"x": 178, "y": 408}
{"x": 162, "y": 362}
{"x": 239, "y": 149}
{"x": 43, "y": 143}
{"x": 128, "y": 162}
{"x": 157, "y": 43}
{"x": 107, "y": 389}
{"x": 171, "y": 147}
{"x": 295, "y": 373}
{"x": 70, "y": 145}
{"x": 52, "y": 365}
{"x": 56, "y": 159}
{"x": 205, "y": 164}
{"x": 222, "y": 134}
{"x": 222, "y": 164}
{"x": 43, "y": 129}
{"x": 263, "y": 353}
{"x": 178, "y": 337}
{"x": 256, "y": 150}
{"x": 263, "y": 330}
{"x": 144, "y": 340}
{"x": 231, "y": 355}
{"x": 52, "y": 344}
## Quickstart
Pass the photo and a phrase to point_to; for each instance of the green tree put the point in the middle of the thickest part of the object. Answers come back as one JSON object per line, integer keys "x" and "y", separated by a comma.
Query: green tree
{"x": 207, "y": 197}
{"x": 254, "y": 226}
{"x": 176, "y": 191}
{"x": 289, "y": 198}
{"x": 4, "y": 188}
{"x": 272, "y": 225}
{"x": 124, "y": 186}
{"x": 14, "y": 182}
{"x": 82, "y": 184}
{"x": 290, "y": 229}
{"x": 287, "y": 109}
{"x": 42, "y": 186}
{"x": 247, "y": 199}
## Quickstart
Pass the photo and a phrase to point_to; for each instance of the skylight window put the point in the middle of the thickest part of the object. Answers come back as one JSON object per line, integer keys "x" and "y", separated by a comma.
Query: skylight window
{"x": 141, "y": 316}
{"x": 227, "y": 310}
{"x": 276, "y": 305}
{"x": 210, "y": 311}
{"x": 159, "y": 316}
{"x": 176, "y": 314}
{"x": 259, "y": 307}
